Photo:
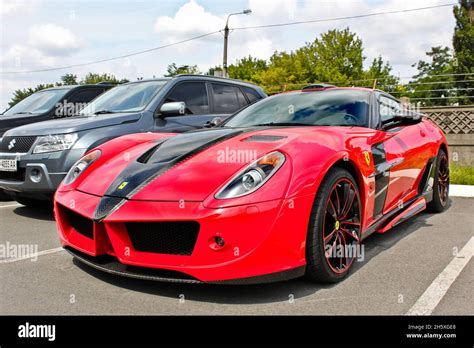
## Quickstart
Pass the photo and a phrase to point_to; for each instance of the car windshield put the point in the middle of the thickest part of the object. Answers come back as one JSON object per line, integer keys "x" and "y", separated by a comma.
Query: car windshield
{"x": 331, "y": 107}
{"x": 37, "y": 103}
{"x": 130, "y": 97}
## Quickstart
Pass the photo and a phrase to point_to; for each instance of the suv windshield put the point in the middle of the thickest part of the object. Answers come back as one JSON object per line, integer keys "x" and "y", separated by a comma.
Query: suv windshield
{"x": 130, "y": 97}
{"x": 332, "y": 107}
{"x": 37, "y": 103}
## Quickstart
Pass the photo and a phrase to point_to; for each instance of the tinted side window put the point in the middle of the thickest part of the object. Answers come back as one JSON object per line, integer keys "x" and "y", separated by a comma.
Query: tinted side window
{"x": 194, "y": 94}
{"x": 225, "y": 98}
{"x": 389, "y": 108}
{"x": 240, "y": 95}
{"x": 252, "y": 94}
{"x": 84, "y": 96}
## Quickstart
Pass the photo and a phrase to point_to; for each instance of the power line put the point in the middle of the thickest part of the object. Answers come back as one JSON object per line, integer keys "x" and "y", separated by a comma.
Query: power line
{"x": 215, "y": 32}
{"x": 342, "y": 18}
{"x": 454, "y": 97}
{"x": 113, "y": 58}
{"x": 436, "y": 90}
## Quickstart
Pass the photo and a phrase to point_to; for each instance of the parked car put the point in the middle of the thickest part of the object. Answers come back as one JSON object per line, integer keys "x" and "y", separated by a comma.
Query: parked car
{"x": 48, "y": 104}
{"x": 287, "y": 187}
{"x": 35, "y": 158}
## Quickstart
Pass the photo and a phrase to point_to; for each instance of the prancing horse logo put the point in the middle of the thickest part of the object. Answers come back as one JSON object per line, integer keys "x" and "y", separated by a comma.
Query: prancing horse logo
{"x": 11, "y": 145}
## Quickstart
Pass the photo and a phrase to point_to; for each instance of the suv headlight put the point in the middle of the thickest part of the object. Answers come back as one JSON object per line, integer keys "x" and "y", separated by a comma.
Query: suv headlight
{"x": 52, "y": 143}
{"x": 81, "y": 165}
{"x": 253, "y": 176}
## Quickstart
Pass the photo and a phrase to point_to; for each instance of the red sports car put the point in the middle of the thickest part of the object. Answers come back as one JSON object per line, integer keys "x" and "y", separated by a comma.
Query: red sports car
{"x": 287, "y": 187}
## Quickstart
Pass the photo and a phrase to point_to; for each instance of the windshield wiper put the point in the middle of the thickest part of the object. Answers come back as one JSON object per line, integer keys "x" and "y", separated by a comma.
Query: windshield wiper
{"x": 23, "y": 113}
{"x": 100, "y": 112}
{"x": 282, "y": 124}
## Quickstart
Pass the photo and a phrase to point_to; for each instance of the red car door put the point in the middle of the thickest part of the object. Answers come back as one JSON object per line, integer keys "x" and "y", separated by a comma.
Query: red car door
{"x": 406, "y": 155}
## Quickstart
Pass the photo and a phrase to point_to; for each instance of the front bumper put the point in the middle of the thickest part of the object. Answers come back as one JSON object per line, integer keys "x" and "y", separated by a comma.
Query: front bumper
{"x": 49, "y": 169}
{"x": 263, "y": 242}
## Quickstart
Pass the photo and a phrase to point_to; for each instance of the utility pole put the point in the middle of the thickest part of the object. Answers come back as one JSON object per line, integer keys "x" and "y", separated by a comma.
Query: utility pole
{"x": 226, "y": 38}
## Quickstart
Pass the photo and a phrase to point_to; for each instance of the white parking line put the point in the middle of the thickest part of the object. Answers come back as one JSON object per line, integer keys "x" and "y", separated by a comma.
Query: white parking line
{"x": 44, "y": 252}
{"x": 461, "y": 190}
{"x": 10, "y": 205}
{"x": 436, "y": 291}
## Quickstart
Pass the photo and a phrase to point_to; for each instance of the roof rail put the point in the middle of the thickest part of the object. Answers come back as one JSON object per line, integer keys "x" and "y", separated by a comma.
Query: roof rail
{"x": 217, "y": 77}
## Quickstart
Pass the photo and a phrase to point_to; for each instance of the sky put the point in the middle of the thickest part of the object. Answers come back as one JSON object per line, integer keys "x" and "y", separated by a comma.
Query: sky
{"x": 41, "y": 34}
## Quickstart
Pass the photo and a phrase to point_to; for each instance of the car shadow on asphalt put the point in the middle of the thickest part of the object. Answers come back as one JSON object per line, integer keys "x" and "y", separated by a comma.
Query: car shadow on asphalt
{"x": 261, "y": 293}
{"x": 44, "y": 213}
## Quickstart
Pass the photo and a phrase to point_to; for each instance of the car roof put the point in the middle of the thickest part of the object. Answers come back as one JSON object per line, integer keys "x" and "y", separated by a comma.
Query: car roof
{"x": 71, "y": 87}
{"x": 200, "y": 77}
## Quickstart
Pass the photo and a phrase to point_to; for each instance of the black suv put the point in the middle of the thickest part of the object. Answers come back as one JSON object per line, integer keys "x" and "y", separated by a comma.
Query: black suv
{"x": 35, "y": 158}
{"x": 50, "y": 103}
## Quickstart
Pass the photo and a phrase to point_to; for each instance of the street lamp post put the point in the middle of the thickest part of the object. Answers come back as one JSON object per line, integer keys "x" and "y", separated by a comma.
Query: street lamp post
{"x": 226, "y": 38}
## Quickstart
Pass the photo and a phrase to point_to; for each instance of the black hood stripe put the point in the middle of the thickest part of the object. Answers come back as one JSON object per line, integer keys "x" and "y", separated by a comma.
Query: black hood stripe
{"x": 166, "y": 155}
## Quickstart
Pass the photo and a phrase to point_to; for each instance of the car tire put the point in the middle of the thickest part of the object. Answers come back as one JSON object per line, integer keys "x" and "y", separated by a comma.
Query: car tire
{"x": 320, "y": 267}
{"x": 5, "y": 197}
{"x": 441, "y": 184}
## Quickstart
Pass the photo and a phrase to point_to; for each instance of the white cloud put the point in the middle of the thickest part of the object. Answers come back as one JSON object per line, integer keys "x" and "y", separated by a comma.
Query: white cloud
{"x": 53, "y": 39}
{"x": 191, "y": 19}
{"x": 22, "y": 57}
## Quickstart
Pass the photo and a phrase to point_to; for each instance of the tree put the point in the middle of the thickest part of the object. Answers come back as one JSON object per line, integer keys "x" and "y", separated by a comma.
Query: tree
{"x": 21, "y": 94}
{"x": 379, "y": 75}
{"x": 433, "y": 82}
{"x": 463, "y": 43}
{"x": 247, "y": 68}
{"x": 335, "y": 57}
{"x": 174, "y": 70}
{"x": 93, "y": 78}
{"x": 69, "y": 79}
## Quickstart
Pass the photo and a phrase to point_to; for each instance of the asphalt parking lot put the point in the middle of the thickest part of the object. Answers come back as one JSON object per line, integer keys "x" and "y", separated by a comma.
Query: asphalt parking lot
{"x": 398, "y": 268}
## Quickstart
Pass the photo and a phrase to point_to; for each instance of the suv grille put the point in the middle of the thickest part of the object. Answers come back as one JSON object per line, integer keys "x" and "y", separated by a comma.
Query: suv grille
{"x": 17, "y": 144}
{"x": 175, "y": 238}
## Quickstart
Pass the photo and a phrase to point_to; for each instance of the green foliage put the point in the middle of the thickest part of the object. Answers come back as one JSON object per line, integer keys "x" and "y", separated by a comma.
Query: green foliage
{"x": 461, "y": 175}
{"x": 463, "y": 43}
{"x": 92, "y": 79}
{"x": 379, "y": 75}
{"x": 428, "y": 83}
{"x": 247, "y": 68}
{"x": 69, "y": 79}
{"x": 174, "y": 70}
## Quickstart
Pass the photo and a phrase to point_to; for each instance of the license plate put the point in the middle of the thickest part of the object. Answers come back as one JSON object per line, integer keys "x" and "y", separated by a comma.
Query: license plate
{"x": 8, "y": 165}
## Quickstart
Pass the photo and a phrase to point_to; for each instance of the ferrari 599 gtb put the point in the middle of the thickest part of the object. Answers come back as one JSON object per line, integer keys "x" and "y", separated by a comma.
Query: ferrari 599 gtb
{"x": 288, "y": 186}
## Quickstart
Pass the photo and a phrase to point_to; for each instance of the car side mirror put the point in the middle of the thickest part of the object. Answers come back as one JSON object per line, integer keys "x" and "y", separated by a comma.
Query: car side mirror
{"x": 173, "y": 109}
{"x": 403, "y": 119}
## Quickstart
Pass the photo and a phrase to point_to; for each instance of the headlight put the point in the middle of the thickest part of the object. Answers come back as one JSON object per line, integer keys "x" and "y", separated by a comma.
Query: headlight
{"x": 253, "y": 177}
{"x": 52, "y": 143}
{"x": 81, "y": 165}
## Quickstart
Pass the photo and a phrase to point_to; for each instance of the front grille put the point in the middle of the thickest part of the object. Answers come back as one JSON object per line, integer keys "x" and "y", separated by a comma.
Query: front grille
{"x": 16, "y": 144}
{"x": 19, "y": 175}
{"x": 174, "y": 238}
{"x": 81, "y": 224}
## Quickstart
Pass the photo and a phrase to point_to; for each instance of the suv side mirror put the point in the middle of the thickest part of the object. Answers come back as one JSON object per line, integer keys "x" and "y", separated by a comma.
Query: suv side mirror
{"x": 173, "y": 109}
